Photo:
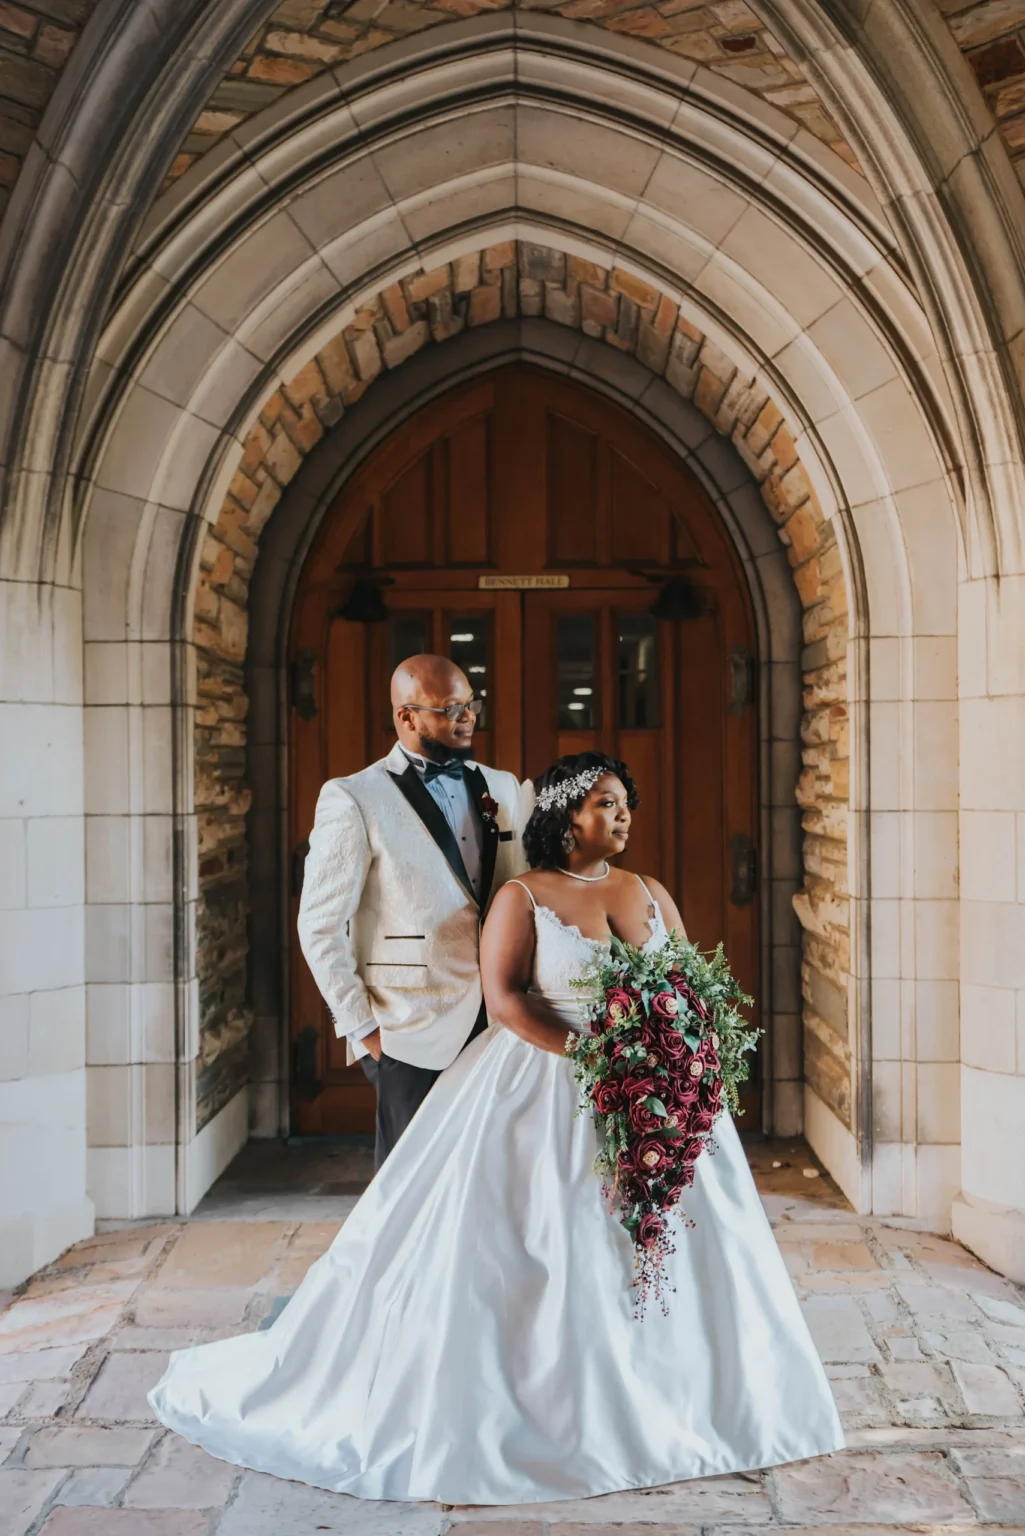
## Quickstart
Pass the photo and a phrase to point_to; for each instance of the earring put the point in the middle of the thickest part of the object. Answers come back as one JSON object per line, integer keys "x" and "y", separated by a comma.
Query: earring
{"x": 569, "y": 842}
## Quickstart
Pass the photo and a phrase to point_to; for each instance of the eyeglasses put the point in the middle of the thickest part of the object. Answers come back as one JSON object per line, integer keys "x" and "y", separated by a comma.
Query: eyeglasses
{"x": 451, "y": 711}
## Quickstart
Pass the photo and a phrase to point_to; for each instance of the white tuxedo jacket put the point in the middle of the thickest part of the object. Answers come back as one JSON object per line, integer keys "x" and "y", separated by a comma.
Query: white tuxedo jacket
{"x": 387, "y": 925}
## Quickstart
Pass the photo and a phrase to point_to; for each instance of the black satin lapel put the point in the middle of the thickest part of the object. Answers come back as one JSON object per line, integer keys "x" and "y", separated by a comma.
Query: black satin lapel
{"x": 430, "y": 813}
{"x": 478, "y": 789}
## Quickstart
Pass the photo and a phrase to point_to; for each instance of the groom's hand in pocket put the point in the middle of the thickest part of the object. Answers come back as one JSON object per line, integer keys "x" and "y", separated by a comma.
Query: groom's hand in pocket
{"x": 373, "y": 1044}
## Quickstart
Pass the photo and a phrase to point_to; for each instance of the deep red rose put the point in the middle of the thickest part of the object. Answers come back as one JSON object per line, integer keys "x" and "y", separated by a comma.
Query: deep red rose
{"x": 691, "y": 1151}
{"x": 686, "y": 1091}
{"x": 641, "y": 1117}
{"x": 664, "y": 1005}
{"x": 649, "y": 1229}
{"x": 701, "y": 1121}
{"x": 673, "y": 1046}
{"x": 691, "y": 1000}
{"x": 488, "y": 805}
{"x": 639, "y": 1087}
{"x": 618, "y": 1003}
{"x": 652, "y": 1155}
{"x": 607, "y": 1097}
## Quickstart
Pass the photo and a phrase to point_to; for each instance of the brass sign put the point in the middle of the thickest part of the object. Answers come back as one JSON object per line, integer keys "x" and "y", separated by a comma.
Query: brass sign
{"x": 520, "y": 583}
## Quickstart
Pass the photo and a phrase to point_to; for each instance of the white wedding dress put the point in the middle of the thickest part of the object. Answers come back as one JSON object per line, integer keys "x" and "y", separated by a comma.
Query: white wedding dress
{"x": 470, "y": 1337}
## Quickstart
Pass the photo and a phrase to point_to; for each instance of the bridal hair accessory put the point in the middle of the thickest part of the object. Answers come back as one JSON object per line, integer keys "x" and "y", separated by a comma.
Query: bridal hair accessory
{"x": 664, "y": 1058}
{"x": 558, "y": 796}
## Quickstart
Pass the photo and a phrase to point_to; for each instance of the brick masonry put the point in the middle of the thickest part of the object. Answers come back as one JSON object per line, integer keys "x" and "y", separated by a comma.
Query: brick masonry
{"x": 424, "y": 310}
{"x": 304, "y": 37}
{"x": 36, "y": 39}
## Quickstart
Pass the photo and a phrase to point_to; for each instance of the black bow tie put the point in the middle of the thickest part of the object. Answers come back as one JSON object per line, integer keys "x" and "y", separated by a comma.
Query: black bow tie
{"x": 453, "y": 769}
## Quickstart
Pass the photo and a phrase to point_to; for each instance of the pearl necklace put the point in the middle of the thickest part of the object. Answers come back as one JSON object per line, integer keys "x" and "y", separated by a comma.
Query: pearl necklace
{"x": 587, "y": 879}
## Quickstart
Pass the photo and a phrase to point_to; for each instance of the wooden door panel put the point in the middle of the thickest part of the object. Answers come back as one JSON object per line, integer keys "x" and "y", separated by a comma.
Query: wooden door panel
{"x": 523, "y": 473}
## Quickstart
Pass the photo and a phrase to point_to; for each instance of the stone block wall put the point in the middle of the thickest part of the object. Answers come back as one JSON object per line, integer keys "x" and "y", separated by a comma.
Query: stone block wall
{"x": 425, "y": 309}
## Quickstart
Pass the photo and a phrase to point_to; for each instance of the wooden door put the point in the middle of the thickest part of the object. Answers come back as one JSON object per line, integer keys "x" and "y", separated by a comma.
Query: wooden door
{"x": 525, "y": 478}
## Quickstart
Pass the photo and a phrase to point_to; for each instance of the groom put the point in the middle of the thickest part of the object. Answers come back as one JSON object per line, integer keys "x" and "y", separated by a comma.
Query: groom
{"x": 404, "y": 859}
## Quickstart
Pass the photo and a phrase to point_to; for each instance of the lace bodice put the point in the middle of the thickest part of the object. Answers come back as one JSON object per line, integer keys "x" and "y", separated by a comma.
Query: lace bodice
{"x": 563, "y": 954}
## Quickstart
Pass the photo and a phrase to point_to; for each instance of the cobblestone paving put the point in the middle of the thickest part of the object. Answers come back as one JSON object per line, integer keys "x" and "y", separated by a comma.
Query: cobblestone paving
{"x": 925, "y": 1348}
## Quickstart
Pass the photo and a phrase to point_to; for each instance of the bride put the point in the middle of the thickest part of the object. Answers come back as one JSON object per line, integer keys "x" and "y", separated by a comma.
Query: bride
{"x": 470, "y": 1337}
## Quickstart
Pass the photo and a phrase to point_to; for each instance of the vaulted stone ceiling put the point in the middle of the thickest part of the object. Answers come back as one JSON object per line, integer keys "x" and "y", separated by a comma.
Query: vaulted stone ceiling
{"x": 303, "y": 38}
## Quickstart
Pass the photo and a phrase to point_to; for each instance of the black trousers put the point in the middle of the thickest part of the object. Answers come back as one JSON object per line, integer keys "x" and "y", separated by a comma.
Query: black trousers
{"x": 401, "y": 1089}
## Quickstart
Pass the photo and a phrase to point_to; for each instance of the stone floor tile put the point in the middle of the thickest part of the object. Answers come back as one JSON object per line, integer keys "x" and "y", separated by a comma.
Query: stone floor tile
{"x": 42, "y": 1399}
{"x": 181, "y": 1476}
{"x": 882, "y": 1308}
{"x": 963, "y": 1344}
{"x": 74, "y": 1316}
{"x": 79, "y": 1445}
{"x": 934, "y": 1304}
{"x": 871, "y": 1487}
{"x": 119, "y": 1389}
{"x": 10, "y": 1434}
{"x": 217, "y": 1253}
{"x": 132, "y": 1337}
{"x": 831, "y": 1255}
{"x": 903, "y": 1347}
{"x": 1001, "y": 1311}
{"x": 71, "y": 1521}
{"x": 837, "y": 1281}
{"x": 987, "y": 1389}
{"x": 838, "y": 1329}
{"x": 23, "y": 1493}
{"x": 314, "y": 1237}
{"x": 860, "y": 1397}
{"x": 111, "y": 1247}
{"x": 9, "y": 1394}
{"x": 473, "y": 1527}
{"x": 94, "y": 1486}
{"x": 162, "y": 1308}
{"x": 266, "y": 1506}
{"x": 918, "y": 1378}
{"x": 998, "y": 1498}
{"x": 40, "y": 1364}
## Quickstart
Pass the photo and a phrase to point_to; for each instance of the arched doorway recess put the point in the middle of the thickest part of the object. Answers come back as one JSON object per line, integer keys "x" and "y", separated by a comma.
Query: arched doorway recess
{"x": 555, "y": 547}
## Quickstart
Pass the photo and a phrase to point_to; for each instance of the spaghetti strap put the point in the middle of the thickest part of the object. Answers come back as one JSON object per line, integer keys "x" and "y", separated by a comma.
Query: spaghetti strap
{"x": 643, "y": 887}
{"x": 529, "y": 892}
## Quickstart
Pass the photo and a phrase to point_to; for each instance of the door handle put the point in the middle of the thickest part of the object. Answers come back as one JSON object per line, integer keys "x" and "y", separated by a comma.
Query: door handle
{"x": 744, "y": 861}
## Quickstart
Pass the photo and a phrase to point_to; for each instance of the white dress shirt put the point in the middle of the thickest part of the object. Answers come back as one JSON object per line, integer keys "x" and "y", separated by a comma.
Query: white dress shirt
{"x": 453, "y": 798}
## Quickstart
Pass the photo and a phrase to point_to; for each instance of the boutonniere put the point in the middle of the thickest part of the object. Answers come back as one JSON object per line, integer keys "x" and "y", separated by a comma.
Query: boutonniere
{"x": 489, "y": 810}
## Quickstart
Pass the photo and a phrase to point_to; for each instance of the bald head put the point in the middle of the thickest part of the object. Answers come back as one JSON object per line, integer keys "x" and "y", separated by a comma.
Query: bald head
{"x": 422, "y": 687}
{"x": 428, "y": 680}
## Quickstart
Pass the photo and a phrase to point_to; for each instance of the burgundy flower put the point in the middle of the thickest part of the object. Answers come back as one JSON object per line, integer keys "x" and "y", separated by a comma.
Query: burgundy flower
{"x": 639, "y": 1087}
{"x": 618, "y": 1003}
{"x": 652, "y": 1155}
{"x": 673, "y": 1046}
{"x": 641, "y": 1117}
{"x": 664, "y": 1005}
{"x": 488, "y": 807}
{"x": 701, "y": 1121}
{"x": 650, "y": 1229}
{"x": 607, "y": 1097}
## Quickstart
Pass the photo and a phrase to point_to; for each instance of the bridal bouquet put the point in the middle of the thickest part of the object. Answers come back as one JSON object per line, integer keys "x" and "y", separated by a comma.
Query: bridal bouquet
{"x": 665, "y": 1056}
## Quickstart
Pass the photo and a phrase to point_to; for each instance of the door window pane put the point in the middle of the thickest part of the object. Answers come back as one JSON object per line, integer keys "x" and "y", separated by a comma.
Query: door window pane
{"x": 408, "y": 636}
{"x": 469, "y": 648}
{"x": 638, "y": 671}
{"x": 575, "y": 660}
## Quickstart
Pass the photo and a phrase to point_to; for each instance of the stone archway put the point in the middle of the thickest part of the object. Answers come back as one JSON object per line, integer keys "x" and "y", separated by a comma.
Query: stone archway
{"x": 632, "y": 319}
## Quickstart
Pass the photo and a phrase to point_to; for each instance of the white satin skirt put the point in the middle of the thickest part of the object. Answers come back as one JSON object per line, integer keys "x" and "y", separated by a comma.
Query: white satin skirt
{"x": 470, "y": 1337}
